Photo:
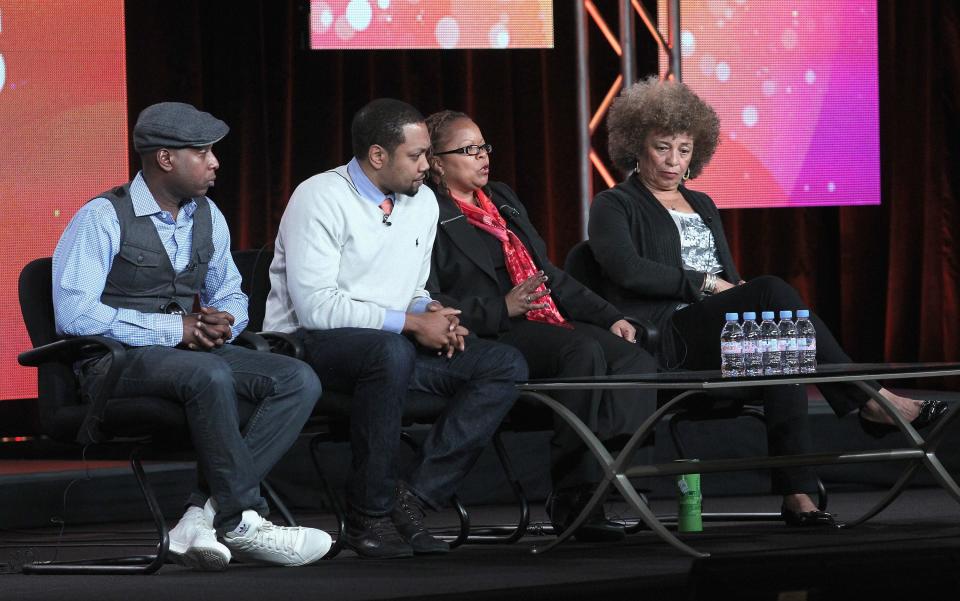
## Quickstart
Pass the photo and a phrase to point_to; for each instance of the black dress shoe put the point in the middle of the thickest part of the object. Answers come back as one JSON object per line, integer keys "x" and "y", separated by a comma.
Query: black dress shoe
{"x": 808, "y": 519}
{"x": 374, "y": 537}
{"x": 930, "y": 413}
{"x": 565, "y": 505}
{"x": 407, "y": 516}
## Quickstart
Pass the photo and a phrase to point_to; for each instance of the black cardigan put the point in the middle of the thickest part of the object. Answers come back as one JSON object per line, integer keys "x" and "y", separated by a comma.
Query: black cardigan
{"x": 637, "y": 245}
{"x": 463, "y": 275}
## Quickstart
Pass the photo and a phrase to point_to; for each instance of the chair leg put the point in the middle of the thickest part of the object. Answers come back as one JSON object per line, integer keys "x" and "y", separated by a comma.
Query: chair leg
{"x": 464, "y": 533}
{"x": 821, "y": 495}
{"x": 278, "y": 503}
{"x": 464, "y": 530}
{"x": 511, "y": 533}
{"x": 333, "y": 500}
{"x": 138, "y": 564}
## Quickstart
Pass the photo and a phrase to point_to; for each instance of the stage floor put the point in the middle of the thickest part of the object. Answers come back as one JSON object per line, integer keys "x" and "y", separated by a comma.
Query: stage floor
{"x": 910, "y": 550}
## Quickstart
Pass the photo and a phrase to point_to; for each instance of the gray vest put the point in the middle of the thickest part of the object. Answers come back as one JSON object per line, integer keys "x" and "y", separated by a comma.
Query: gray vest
{"x": 142, "y": 277}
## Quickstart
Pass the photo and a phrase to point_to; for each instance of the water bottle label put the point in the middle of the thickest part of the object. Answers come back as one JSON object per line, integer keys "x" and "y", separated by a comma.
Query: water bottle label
{"x": 730, "y": 348}
{"x": 790, "y": 344}
{"x": 808, "y": 344}
{"x": 770, "y": 345}
{"x": 749, "y": 347}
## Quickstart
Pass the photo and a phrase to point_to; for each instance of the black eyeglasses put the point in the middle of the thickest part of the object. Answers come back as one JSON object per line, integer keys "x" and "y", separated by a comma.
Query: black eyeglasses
{"x": 472, "y": 150}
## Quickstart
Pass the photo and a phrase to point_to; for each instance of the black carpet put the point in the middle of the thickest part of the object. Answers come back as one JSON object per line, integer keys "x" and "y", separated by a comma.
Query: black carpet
{"x": 910, "y": 551}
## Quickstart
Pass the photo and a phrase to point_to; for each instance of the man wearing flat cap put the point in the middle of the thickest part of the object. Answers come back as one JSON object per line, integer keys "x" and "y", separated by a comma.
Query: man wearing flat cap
{"x": 129, "y": 266}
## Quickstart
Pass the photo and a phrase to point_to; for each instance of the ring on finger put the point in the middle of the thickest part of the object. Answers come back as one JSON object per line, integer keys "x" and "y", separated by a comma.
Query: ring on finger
{"x": 527, "y": 299}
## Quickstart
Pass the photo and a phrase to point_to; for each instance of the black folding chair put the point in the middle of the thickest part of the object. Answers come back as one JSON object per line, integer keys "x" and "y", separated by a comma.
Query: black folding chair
{"x": 129, "y": 425}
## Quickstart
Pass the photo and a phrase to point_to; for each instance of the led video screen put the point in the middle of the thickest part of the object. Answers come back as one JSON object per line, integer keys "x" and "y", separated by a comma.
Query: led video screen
{"x": 795, "y": 85}
{"x": 430, "y": 24}
{"x": 63, "y": 132}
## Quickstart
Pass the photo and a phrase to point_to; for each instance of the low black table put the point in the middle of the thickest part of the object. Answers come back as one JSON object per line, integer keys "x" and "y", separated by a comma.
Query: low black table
{"x": 921, "y": 451}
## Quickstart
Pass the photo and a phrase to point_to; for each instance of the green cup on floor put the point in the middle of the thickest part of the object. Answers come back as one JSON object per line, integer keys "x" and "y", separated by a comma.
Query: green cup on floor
{"x": 688, "y": 516}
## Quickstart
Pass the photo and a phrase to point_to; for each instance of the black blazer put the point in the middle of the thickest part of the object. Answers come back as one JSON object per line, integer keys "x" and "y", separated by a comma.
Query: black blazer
{"x": 463, "y": 275}
{"x": 637, "y": 245}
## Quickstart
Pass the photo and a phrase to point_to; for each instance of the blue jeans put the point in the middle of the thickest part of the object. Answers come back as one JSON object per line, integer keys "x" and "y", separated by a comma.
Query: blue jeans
{"x": 211, "y": 384}
{"x": 378, "y": 368}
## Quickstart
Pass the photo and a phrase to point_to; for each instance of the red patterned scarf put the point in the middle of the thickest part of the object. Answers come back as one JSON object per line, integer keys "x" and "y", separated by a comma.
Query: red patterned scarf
{"x": 519, "y": 263}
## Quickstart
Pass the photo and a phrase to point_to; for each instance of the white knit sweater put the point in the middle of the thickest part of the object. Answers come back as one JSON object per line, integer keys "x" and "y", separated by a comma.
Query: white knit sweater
{"x": 338, "y": 265}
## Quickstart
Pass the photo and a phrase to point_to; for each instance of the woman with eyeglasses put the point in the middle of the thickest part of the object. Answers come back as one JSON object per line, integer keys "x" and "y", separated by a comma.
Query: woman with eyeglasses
{"x": 490, "y": 262}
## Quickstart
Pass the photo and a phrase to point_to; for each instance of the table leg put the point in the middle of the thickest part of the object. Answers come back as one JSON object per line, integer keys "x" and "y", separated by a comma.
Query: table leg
{"x": 929, "y": 460}
{"x": 650, "y": 519}
{"x": 594, "y": 445}
{"x": 613, "y": 473}
{"x": 581, "y": 518}
{"x": 889, "y": 497}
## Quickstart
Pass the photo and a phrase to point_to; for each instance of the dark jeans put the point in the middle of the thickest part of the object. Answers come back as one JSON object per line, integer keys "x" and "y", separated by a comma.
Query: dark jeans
{"x": 378, "y": 368}
{"x": 586, "y": 350}
{"x": 210, "y": 384}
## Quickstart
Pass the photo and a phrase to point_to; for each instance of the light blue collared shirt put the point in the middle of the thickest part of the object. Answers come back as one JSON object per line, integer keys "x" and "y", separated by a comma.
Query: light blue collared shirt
{"x": 84, "y": 256}
{"x": 393, "y": 320}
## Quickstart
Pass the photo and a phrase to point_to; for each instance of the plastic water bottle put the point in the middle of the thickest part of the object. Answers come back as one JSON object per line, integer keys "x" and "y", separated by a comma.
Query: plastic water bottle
{"x": 807, "y": 339}
{"x": 770, "y": 343}
{"x": 790, "y": 355}
{"x": 731, "y": 347}
{"x": 752, "y": 351}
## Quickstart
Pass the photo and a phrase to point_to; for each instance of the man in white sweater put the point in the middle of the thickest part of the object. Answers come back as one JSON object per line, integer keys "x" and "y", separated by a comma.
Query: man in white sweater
{"x": 348, "y": 279}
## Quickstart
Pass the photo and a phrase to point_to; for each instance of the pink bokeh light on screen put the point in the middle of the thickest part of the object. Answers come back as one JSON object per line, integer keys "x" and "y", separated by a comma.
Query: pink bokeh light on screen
{"x": 440, "y": 24}
{"x": 795, "y": 85}
{"x": 63, "y": 133}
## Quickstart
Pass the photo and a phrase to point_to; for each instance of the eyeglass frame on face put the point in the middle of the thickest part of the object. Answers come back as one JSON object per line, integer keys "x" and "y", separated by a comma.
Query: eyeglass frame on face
{"x": 487, "y": 148}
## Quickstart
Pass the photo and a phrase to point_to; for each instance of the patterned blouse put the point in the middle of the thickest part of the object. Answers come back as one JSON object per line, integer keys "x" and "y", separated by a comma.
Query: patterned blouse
{"x": 697, "y": 248}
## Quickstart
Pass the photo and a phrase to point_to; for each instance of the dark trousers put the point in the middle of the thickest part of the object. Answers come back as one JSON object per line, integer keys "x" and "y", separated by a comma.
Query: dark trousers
{"x": 586, "y": 350}
{"x": 211, "y": 384}
{"x": 696, "y": 330}
{"x": 378, "y": 368}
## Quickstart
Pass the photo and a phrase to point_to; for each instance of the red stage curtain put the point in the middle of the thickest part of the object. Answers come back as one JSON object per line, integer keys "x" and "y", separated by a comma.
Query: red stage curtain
{"x": 885, "y": 277}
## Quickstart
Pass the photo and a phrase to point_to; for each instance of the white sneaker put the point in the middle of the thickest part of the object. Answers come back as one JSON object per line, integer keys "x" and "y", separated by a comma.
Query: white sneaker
{"x": 257, "y": 540}
{"x": 193, "y": 541}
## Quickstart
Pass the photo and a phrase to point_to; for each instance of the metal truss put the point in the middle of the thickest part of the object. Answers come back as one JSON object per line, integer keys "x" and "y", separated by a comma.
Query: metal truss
{"x": 624, "y": 46}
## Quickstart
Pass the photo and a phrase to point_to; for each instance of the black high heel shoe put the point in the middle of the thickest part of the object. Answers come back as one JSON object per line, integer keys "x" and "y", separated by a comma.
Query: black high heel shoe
{"x": 565, "y": 505}
{"x": 930, "y": 413}
{"x": 808, "y": 519}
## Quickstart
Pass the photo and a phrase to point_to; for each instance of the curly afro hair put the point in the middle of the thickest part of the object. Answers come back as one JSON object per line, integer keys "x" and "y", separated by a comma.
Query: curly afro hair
{"x": 666, "y": 107}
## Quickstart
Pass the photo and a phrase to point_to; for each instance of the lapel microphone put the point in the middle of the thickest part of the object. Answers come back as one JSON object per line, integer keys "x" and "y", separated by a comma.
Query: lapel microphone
{"x": 508, "y": 212}
{"x": 385, "y": 220}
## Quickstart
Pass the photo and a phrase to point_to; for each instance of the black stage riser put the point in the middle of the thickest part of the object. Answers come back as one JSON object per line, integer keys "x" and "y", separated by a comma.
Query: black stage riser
{"x": 111, "y": 495}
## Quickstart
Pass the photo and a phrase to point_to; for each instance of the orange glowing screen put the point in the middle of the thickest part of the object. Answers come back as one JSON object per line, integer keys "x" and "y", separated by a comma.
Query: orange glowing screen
{"x": 63, "y": 134}
{"x": 437, "y": 24}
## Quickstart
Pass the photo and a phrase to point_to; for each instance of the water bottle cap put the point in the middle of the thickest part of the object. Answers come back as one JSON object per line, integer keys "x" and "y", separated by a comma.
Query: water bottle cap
{"x": 749, "y": 315}
{"x": 803, "y": 313}
{"x": 733, "y": 316}
{"x": 767, "y": 315}
{"x": 786, "y": 314}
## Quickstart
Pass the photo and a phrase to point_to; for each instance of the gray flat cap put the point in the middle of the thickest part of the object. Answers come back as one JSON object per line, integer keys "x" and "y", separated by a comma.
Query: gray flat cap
{"x": 176, "y": 125}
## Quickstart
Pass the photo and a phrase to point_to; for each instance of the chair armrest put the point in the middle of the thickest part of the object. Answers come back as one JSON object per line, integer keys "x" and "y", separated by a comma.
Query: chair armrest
{"x": 285, "y": 344}
{"x": 253, "y": 341}
{"x": 647, "y": 333}
{"x": 69, "y": 350}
